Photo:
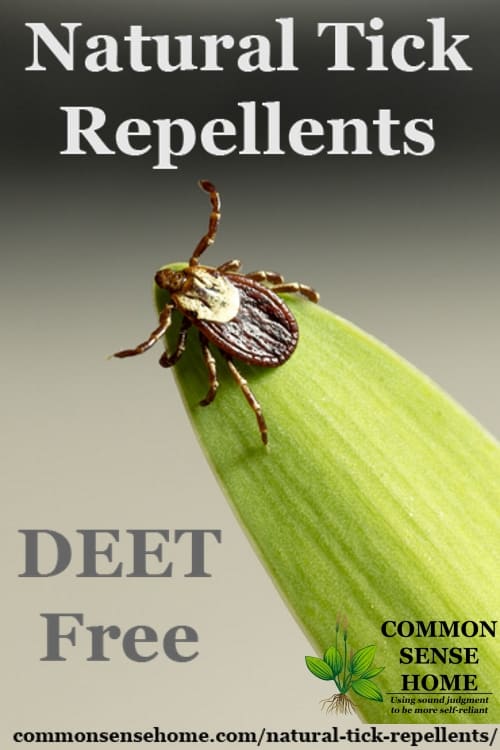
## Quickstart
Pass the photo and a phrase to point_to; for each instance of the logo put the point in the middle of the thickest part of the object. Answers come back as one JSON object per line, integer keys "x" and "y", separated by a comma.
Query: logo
{"x": 350, "y": 671}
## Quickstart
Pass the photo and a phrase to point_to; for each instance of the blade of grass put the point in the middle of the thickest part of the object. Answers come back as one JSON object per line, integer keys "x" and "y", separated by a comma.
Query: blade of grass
{"x": 377, "y": 496}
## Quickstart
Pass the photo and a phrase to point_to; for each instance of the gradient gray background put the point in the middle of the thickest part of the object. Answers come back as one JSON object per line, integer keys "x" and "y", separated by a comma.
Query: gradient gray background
{"x": 404, "y": 247}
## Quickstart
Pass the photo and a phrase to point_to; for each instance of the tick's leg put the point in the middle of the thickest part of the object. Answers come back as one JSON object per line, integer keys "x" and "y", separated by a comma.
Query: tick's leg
{"x": 166, "y": 359}
{"x": 254, "y": 404}
{"x": 295, "y": 287}
{"x": 269, "y": 276}
{"x": 209, "y": 360}
{"x": 165, "y": 318}
{"x": 213, "y": 222}
{"x": 229, "y": 266}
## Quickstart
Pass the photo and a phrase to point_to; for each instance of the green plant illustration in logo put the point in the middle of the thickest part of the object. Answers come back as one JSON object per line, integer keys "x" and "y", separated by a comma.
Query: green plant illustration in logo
{"x": 354, "y": 672}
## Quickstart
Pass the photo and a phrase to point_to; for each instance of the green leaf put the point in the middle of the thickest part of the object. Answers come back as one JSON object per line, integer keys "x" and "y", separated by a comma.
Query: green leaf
{"x": 319, "y": 668}
{"x": 334, "y": 659}
{"x": 367, "y": 689}
{"x": 361, "y": 660}
{"x": 373, "y": 672}
{"x": 377, "y": 496}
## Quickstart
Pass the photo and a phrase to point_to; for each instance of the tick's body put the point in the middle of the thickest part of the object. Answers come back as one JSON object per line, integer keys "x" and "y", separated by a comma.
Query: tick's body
{"x": 233, "y": 311}
{"x": 261, "y": 331}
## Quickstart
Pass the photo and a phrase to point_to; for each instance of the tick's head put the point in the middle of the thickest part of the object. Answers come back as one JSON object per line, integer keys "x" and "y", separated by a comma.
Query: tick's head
{"x": 170, "y": 279}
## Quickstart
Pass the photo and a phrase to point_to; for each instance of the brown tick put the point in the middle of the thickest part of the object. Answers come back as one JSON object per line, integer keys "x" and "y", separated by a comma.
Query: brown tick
{"x": 235, "y": 312}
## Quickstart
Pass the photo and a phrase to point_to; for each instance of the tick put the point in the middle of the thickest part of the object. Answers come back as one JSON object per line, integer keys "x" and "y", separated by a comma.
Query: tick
{"x": 239, "y": 314}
